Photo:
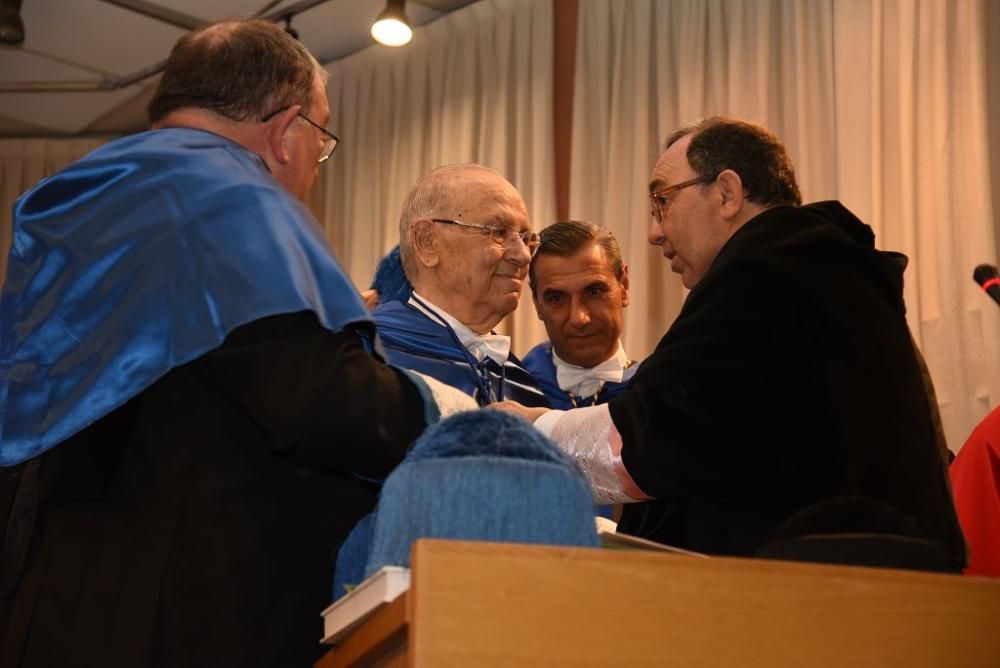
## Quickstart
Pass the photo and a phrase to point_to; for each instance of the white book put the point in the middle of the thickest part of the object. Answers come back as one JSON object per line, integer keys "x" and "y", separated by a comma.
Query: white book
{"x": 384, "y": 586}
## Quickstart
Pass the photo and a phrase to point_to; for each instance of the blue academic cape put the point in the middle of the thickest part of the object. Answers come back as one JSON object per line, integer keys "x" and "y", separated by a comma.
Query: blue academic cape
{"x": 539, "y": 363}
{"x": 137, "y": 259}
{"x": 413, "y": 341}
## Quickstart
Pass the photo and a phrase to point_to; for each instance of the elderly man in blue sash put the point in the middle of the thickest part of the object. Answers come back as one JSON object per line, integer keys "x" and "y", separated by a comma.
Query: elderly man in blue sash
{"x": 465, "y": 245}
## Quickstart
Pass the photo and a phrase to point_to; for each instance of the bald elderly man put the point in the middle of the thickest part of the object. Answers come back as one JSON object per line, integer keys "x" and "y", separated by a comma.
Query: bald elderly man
{"x": 465, "y": 245}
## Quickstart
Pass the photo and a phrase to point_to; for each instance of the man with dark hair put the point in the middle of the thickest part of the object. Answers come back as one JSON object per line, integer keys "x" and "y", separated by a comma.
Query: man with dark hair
{"x": 284, "y": 74}
{"x": 787, "y": 383}
{"x": 579, "y": 285}
{"x": 464, "y": 244}
{"x": 189, "y": 403}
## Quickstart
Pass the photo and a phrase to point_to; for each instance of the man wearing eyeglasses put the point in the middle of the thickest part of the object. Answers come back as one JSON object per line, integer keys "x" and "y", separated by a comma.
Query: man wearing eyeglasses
{"x": 787, "y": 393}
{"x": 188, "y": 399}
{"x": 465, "y": 244}
{"x": 580, "y": 288}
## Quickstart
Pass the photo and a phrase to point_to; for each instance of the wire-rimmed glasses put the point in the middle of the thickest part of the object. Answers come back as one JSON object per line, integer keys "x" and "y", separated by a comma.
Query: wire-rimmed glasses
{"x": 330, "y": 140}
{"x": 502, "y": 235}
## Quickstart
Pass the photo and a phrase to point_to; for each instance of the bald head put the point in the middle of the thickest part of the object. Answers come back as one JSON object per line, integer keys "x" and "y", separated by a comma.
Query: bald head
{"x": 460, "y": 243}
{"x": 444, "y": 192}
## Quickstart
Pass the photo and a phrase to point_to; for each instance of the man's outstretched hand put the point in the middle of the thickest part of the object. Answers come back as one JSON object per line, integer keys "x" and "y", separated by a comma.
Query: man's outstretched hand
{"x": 521, "y": 411}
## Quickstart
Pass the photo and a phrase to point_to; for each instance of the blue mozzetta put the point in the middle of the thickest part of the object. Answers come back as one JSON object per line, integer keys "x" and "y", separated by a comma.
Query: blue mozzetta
{"x": 414, "y": 341}
{"x": 170, "y": 276}
{"x": 539, "y": 363}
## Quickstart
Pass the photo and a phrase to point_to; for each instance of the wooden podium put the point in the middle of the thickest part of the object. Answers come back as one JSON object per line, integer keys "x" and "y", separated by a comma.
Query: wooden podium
{"x": 490, "y": 604}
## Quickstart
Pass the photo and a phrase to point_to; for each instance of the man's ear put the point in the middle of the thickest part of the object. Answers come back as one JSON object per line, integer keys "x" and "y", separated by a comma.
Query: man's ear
{"x": 731, "y": 193}
{"x": 624, "y": 283}
{"x": 277, "y": 133}
{"x": 425, "y": 243}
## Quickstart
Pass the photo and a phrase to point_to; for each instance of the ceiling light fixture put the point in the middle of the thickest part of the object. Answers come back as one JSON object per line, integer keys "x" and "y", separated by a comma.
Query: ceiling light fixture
{"x": 391, "y": 27}
{"x": 11, "y": 25}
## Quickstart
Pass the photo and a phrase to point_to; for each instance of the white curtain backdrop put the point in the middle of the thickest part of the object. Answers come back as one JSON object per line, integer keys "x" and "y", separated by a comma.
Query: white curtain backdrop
{"x": 25, "y": 162}
{"x": 882, "y": 104}
{"x": 474, "y": 86}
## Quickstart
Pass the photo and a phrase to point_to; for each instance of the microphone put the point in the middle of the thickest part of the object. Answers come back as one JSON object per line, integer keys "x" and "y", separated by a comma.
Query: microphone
{"x": 988, "y": 278}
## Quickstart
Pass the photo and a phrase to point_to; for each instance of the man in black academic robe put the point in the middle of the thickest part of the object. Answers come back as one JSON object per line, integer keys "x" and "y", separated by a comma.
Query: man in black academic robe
{"x": 787, "y": 384}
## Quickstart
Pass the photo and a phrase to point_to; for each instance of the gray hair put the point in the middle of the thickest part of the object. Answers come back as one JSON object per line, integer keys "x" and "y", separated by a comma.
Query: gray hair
{"x": 434, "y": 195}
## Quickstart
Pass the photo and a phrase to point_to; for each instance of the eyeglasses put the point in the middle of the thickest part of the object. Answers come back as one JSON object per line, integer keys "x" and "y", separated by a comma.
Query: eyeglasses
{"x": 502, "y": 235}
{"x": 659, "y": 201}
{"x": 330, "y": 140}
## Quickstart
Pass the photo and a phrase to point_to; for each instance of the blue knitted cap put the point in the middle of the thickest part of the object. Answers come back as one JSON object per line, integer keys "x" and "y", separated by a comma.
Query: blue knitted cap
{"x": 482, "y": 475}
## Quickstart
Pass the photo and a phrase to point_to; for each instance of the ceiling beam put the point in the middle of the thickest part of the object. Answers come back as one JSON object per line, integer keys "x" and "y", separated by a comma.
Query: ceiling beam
{"x": 116, "y": 83}
{"x": 180, "y": 20}
{"x": 291, "y": 10}
{"x": 159, "y": 13}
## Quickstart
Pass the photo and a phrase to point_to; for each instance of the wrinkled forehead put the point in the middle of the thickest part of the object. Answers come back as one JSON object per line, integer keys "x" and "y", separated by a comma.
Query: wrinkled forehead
{"x": 490, "y": 199}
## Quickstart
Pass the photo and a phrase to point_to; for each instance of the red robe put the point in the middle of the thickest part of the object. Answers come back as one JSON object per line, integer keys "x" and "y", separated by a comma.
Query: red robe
{"x": 975, "y": 482}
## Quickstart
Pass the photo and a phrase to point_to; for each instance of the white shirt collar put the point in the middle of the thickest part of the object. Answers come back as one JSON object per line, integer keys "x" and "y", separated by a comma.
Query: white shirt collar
{"x": 481, "y": 346}
{"x": 585, "y": 382}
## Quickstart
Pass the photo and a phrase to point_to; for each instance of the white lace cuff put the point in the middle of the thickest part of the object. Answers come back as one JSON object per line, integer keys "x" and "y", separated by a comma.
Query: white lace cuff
{"x": 589, "y": 436}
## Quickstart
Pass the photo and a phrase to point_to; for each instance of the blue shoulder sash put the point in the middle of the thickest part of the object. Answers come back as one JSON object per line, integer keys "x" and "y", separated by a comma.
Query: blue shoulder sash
{"x": 539, "y": 364}
{"x": 412, "y": 340}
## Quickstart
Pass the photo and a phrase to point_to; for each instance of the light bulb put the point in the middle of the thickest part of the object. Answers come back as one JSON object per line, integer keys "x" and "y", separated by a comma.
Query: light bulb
{"x": 391, "y": 32}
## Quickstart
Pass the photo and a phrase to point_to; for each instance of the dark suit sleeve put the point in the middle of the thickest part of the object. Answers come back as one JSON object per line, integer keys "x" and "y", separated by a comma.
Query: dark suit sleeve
{"x": 320, "y": 396}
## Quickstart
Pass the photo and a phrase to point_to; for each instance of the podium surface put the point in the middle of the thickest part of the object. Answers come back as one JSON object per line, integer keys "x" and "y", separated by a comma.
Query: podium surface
{"x": 492, "y": 604}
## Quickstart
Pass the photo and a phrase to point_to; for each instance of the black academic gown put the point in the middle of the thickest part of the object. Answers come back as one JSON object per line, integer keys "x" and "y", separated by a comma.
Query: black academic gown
{"x": 788, "y": 378}
{"x": 197, "y": 524}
